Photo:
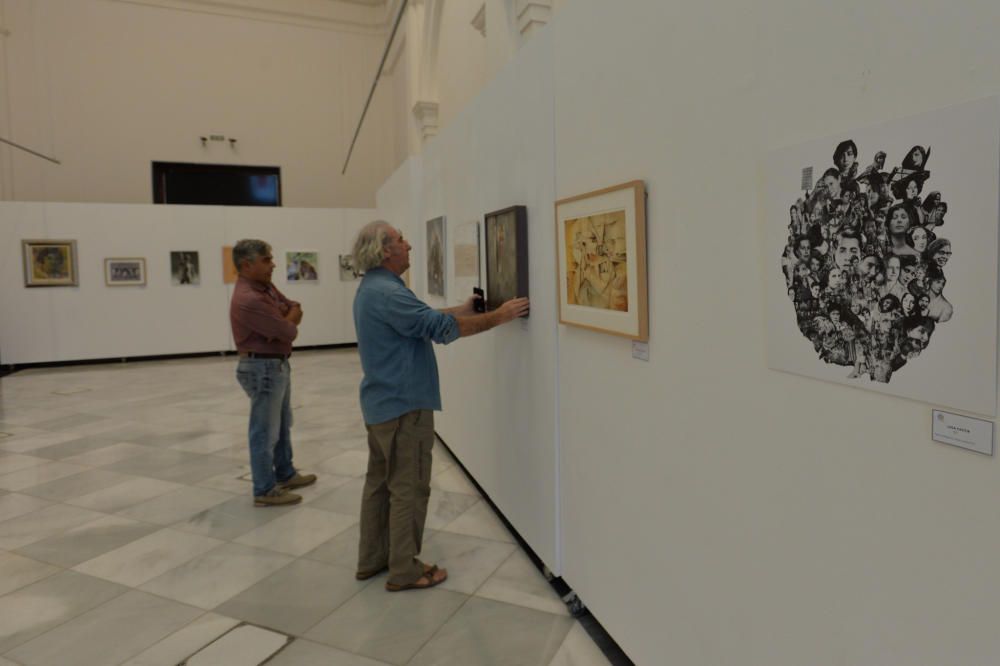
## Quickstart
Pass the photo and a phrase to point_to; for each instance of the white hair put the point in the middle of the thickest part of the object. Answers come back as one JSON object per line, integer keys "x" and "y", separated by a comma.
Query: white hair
{"x": 369, "y": 248}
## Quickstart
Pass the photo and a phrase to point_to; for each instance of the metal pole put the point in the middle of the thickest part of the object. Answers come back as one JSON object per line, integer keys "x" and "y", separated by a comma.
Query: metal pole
{"x": 378, "y": 74}
{"x": 29, "y": 150}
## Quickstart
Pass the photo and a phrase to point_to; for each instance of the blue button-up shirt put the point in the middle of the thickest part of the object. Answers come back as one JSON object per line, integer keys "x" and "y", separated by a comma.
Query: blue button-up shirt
{"x": 395, "y": 330}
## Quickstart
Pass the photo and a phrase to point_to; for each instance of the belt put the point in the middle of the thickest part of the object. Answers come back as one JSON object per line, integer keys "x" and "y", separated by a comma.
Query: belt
{"x": 250, "y": 354}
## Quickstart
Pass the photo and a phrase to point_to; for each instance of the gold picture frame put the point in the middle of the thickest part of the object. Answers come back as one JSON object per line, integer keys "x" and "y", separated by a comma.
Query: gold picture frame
{"x": 49, "y": 263}
{"x": 601, "y": 260}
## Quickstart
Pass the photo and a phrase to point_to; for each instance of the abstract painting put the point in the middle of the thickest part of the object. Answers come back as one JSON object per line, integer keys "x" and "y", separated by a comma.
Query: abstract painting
{"x": 436, "y": 244}
{"x": 506, "y": 255}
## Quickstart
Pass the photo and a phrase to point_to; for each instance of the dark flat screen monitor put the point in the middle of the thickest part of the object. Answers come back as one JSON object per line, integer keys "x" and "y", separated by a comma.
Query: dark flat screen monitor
{"x": 216, "y": 184}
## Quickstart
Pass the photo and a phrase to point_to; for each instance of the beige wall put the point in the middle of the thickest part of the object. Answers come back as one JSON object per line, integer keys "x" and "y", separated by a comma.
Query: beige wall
{"x": 108, "y": 87}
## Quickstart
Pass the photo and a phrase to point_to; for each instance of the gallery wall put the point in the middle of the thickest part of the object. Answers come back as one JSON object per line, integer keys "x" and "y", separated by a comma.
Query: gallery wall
{"x": 93, "y": 320}
{"x": 107, "y": 87}
{"x": 711, "y": 510}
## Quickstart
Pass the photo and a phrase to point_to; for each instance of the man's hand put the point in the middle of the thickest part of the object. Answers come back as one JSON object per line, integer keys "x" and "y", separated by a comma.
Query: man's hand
{"x": 512, "y": 309}
{"x": 294, "y": 314}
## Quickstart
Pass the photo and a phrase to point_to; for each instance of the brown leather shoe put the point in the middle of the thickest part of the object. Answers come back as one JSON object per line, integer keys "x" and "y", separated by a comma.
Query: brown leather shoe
{"x": 298, "y": 481}
{"x": 277, "y": 497}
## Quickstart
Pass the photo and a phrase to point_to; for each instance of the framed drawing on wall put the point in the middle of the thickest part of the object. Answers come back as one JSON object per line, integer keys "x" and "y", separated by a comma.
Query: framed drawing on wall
{"x": 49, "y": 263}
{"x": 347, "y": 271}
{"x": 185, "y": 268}
{"x": 466, "y": 260}
{"x": 124, "y": 271}
{"x": 302, "y": 266}
{"x": 601, "y": 260}
{"x": 436, "y": 256}
{"x": 506, "y": 255}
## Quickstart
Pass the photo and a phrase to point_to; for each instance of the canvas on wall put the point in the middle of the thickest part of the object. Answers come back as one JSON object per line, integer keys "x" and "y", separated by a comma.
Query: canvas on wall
{"x": 347, "y": 271}
{"x": 506, "y": 255}
{"x": 466, "y": 260}
{"x": 302, "y": 266}
{"x": 124, "y": 271}
{"x": 601, "y": 247}
{"x": 882, "y": 257}
{"x": 436, "y": 244}
{"x": 229, "y": 273}
{"x": 49, "y": 263}
{"x": 184, "y": 268}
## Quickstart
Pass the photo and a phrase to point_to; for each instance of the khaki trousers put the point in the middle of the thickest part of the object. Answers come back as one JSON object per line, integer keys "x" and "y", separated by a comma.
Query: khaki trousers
{"x": 394, "y": 502}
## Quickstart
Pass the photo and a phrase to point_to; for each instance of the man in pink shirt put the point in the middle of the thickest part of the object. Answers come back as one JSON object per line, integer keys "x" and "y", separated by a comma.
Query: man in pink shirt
{"x": 265, "y": 324}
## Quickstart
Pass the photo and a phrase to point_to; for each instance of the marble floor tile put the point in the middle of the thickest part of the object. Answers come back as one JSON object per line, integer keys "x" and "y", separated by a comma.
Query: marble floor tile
{"x": 41, "y": 606}
{"x": 232, "y": 518}
{"x": 469, "y": 560}
{"x": 579, "y": 649}
{"x": 123, "y": 495}
{"x": 172, "y": 465}
{"x": 174, "y": 649}
{"x": 17, "y": 571}
{"x": 42, "y": 524}
{"x": 345, "y": 498}
{"x": 67, "y": 422}
{"x": 454, "y": 481}
{"x": 491, "y": 632}
{"x": 148, "y": 557}
{"x": 387, "y": 626}
{"x": 13, "y": 462}
{"x": 230, "y": 482}
{"x": 518, "y": 581}
{"x": 296, "y": 597}
{"x": 39, "y": 474}
{"x": 480, "y": 521}
{"x": 341, "y": 550}
{"x": 210, "y": 442}
{"x": 107, "y": 455}
{"x": 307, "y": 653}
{"x": 107, "y": 634}
{"x": 83, "y": 483}
{"x": 242, "y": 646}
{"x": 87, "y": 541}
{"x": 444, "y": 507}
{"x": 73, "y": 447}
{"x": 7, "y": 662}
{"x": 13, "y": 505}
{"x": 176, "y": 505}
{"x": 217, "y": 576}
{"x": 349, "y": 463}
{"x": 298, "y": 532}
{"x": 34, "y": 440}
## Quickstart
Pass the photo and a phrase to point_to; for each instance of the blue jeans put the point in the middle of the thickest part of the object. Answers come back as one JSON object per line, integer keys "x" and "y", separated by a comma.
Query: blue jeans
{"x": 268, "y": 382}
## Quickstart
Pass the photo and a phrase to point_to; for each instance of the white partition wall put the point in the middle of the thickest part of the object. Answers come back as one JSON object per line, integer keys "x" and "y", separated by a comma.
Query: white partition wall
{"x": 713, "y": 511}
{"x": 93, "y": 320}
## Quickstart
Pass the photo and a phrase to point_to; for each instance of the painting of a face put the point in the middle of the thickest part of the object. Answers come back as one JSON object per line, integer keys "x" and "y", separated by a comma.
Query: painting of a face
{"x": 899, "y": 221}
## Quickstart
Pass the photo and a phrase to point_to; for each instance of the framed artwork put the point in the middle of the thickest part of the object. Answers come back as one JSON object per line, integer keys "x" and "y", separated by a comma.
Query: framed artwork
{"x": 881, "y": 257}
{"x": 184, "y": 268}
{"x": 229, "y": 273}
{"x": 435, "y": 256}
{"x": 49, "y": 263}
{"x": 124, "y": 271}
{"x": 506, "y": 255}
{"x": 466, "y": 259}
{"x": 302, "y": 266}
{"x": 601, "y": 260}
{"x": 347, "y": 270}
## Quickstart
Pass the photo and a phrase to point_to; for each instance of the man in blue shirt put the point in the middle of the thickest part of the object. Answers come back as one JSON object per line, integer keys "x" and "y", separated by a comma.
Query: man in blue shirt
{"x": 399, "y": 395}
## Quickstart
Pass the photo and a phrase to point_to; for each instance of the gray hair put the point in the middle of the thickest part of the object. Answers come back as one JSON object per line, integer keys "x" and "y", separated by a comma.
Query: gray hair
{"x": 370, "y": 245}
{"x": 249, "y": 249}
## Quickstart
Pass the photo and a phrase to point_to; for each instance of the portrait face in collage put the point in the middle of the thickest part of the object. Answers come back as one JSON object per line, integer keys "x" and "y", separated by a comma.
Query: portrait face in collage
{"x": 865, "y": 261}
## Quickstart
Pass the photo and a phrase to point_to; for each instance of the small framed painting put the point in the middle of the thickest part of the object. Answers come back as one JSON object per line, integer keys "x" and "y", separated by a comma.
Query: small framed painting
{"x": 185, "y": 268}
{"x": 436, "y": 245}
{"x": 601, "y": 260}
{"x": 347, "y": 271}
{"x": 49, "y": 263}
{"x": 124, "y": 272}
{"x": 506, "y": 255}
{"x": 302, "y": 266}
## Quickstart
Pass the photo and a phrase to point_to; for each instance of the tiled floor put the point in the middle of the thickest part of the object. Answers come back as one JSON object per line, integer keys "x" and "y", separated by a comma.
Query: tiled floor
{"x": 128, "y": 535}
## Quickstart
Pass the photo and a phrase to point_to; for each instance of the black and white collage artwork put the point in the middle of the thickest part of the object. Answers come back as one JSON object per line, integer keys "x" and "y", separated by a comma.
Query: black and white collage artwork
{"x": 883, "y": 247}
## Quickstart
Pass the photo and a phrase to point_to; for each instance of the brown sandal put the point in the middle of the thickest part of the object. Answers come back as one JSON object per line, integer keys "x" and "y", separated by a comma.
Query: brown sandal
{"x": 428, "y": 571}
{"x": 418, "y": 584}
